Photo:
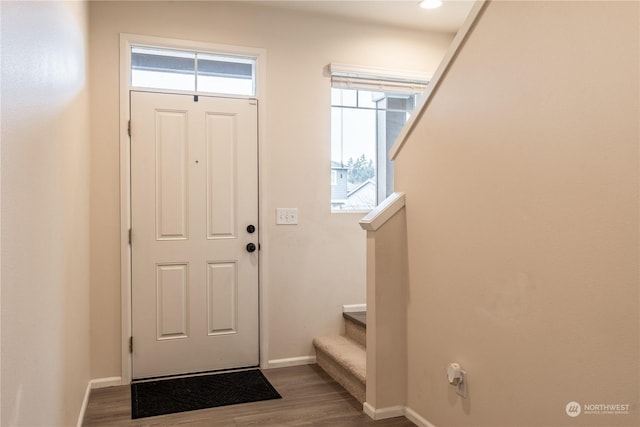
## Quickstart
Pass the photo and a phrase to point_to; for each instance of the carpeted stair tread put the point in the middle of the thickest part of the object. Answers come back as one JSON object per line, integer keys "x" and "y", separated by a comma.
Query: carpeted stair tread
{"x": 357, "y": 317}
{"x": 347, "y": 353}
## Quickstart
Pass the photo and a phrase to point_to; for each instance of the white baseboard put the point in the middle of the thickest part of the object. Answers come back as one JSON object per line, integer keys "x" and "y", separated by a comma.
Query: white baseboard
{"x": 353, "y": 308}
{"x": 292, "y": 361}
{"x": 383, "y": 413}
{"x": 416, "y": 418}
{"x": 395, "y": 411}
{"x": 92, "y": 384}
{"x": 85, "y": 402}
{"x": 105, "y": 382}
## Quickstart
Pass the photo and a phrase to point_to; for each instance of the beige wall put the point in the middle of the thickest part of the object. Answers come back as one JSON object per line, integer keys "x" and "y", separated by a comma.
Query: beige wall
{"x": 522, "y": 211}
{"x": 45, "y": 213}
{"x": 313, "y": 268}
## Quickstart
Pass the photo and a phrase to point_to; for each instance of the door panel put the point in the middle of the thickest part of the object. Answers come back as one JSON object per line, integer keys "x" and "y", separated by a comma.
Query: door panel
{"x": 172, "y": 178}
{"x": 222, "y": 160}
{"x": 172, "y": 313}
{"x": 194, "y": 191}
{"x": 222, "y": 297}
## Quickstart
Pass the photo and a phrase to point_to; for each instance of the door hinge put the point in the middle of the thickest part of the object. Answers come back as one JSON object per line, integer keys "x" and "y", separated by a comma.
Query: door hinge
{"x": 129, "y": 237}
{"x": 130, "y": 344}
{"x": 129, "y": 127}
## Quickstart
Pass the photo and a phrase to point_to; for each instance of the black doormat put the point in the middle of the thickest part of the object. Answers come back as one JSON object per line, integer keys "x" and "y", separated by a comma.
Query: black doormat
{"x": 169, "y": 396}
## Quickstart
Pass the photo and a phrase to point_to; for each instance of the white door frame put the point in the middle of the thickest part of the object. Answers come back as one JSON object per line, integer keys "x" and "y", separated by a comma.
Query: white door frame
{"x": 126, "y": 41}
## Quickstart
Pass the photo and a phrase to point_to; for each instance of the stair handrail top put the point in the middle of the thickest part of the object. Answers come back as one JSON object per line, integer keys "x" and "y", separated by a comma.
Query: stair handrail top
{"x": 383, "y": 212}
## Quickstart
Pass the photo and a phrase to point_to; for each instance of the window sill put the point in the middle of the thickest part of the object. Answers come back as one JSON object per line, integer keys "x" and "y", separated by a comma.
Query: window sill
{"x": 359, "y": 212}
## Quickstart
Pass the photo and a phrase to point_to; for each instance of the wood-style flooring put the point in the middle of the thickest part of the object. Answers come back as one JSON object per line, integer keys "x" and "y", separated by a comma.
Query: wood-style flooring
{"x": 309, "y": 398}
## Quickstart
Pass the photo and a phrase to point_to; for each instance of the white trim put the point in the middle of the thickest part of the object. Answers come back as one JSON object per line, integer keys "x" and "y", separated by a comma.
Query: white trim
{"x": 85, "y": 403}
{"x": 416, "y": 418}
{"x": 369, "y": 410}
{"x": 106, "y": 382}
{"x": 125, "y": 207}
{"x": 126, "y": 40}
{"x": 291, "y": 361}
{"x": 452, "y": 53}
{"x": 1, "y": 242}
{"x": 382, "y": 413}
{"x": 378, "y": 79}
{"x": 383, "y": 212}
{"x": 263, "y": 214}
{"x": 206, "y": 47}
{"x": 357, "y": 71}
{"x": 93, "y": 384}
{"x": 354, "y": 308}
{"x": 396, "y": 411}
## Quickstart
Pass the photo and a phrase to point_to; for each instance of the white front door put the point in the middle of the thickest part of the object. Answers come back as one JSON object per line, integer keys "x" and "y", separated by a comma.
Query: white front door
{"x": 194, "y": 198}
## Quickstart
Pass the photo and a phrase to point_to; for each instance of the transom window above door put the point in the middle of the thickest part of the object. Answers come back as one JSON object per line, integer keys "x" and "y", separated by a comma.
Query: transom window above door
{"x": 192, "y": 71}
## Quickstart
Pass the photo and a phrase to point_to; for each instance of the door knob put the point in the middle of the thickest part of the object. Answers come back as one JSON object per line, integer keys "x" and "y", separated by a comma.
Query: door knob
{"x": 251, "y": 247}
{"x": 251, "y": 229}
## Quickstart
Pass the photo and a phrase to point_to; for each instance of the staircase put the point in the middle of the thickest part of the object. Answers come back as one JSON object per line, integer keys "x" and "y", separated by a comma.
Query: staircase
{"x": 344, "y": 357}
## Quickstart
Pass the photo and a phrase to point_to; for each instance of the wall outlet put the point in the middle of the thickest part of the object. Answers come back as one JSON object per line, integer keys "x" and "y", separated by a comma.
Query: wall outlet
{"x": 287, "y": 216}
{"x": 457, "y": 378}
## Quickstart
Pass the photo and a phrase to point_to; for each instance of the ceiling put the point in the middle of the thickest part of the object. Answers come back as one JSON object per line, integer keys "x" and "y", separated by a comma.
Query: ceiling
{"x": 405, "y": 13}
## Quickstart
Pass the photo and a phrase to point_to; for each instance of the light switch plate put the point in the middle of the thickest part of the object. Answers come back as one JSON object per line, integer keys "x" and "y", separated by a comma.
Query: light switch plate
{"x": 286, "y": 216}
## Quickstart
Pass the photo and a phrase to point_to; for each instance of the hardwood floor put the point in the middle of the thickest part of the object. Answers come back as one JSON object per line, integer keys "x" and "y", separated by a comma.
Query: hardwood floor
{"x": 309, "y": 398}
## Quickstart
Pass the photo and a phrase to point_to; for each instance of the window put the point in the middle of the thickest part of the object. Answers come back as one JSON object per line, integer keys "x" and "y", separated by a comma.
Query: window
{"x": 191, "y": 71}
{"x": 367, "y": 113}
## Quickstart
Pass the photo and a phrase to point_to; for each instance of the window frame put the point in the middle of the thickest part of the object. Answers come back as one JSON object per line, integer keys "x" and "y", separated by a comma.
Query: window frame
{"x": 389, "y": 82}
{"x": 196, "y": 55}
{"x": 127, "y": 41}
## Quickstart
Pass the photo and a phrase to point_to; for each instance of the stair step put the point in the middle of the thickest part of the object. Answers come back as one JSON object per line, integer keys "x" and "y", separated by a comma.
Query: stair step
{"x": 345, "y": 361}
{"x": 355, "y": 326}
{"x": 357, "y": 317}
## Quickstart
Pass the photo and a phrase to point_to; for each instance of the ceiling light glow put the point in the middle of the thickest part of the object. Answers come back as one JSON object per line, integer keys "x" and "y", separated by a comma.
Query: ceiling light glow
{"x": 430, "y": 4}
